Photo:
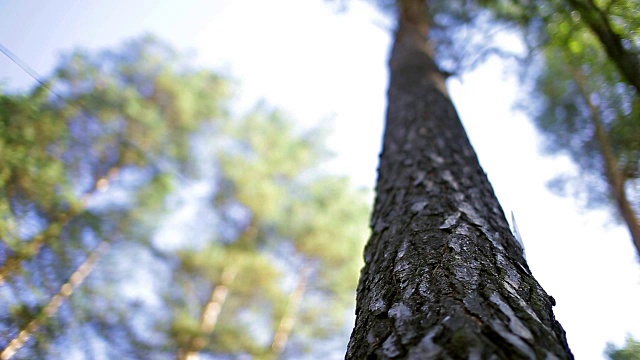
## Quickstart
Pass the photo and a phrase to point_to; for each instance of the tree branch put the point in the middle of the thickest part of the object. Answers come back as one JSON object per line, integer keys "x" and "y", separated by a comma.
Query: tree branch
{"x": 627, "y": 62}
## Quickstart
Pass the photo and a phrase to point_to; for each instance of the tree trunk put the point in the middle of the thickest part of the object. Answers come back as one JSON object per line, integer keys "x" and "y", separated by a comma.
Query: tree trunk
{"x": 444, "y": 277}
{"x": 210, "y": 314}
{"x": 58, "y": 220}
{"x": 288, "y": 319}
{"x": 614, "y": 176}
{"x": 56, "y": 301}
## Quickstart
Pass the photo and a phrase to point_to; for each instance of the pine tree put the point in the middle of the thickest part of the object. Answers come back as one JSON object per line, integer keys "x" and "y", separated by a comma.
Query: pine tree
{"x": 444, "y": 276}
{"x": 279, "y": 221}
{"x": 85, "y": 152}
{"x": 107, "y": 151}
{"x": 587, "y": 109}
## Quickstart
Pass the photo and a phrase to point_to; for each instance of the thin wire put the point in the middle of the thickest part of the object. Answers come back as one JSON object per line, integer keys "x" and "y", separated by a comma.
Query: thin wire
{"x": 24, "y": 66}
{"x": 31, "y": 72}
{"x": 86, "y": 267}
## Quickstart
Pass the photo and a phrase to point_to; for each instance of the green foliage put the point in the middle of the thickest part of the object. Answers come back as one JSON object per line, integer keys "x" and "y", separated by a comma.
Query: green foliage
{"x": 327, "y": 224}
{"x": 566, "y": 119}
{"x": 30, "y": 173}
{"x": 115, "y": 152}
{"x": 596, "y": 41}
{"x": 70, "y": 165}
{"x": 630, "y": 350}
{"x": 281, "y": 215}
{"x": 577, "y": 80}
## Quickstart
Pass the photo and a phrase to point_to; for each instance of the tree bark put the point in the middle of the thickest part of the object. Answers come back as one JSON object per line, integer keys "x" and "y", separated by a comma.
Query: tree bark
{"x": 444, "y": 277}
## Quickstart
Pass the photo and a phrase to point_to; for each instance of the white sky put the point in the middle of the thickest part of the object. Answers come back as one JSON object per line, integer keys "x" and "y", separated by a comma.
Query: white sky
{"x": 321, "y": 65}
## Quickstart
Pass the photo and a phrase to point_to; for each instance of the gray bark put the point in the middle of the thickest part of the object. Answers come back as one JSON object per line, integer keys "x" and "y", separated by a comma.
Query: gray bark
{"x": 444, "y": 277}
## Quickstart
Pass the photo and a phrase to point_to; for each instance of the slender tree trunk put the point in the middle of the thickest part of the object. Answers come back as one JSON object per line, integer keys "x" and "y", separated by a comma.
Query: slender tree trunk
{"x": 212, "y": 309}
{"x": 614, "y": 176}
{"x": 210, "y": 314}
{"x": 60, "y": 219}
{"x": 56, "y": 301}
{"x": 288, "y": 319}
{"x": 444, "y": 277}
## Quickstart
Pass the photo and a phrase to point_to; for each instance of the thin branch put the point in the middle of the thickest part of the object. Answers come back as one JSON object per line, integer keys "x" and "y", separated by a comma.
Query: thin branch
{"x": 211, "y": 313}
{"x": 288, "y": 319}
{"x": 56, "y": 301}
{"x": 62, "y": 218}
{"x": 628, "y": 63}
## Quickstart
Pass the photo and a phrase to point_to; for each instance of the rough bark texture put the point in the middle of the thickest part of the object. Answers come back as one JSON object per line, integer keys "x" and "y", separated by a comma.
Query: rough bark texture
{"x": 444, "y": 277}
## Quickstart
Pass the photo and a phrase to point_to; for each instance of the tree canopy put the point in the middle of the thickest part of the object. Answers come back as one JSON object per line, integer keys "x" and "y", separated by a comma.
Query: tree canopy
{"x": 141, "y": 218}
{"x": 585, "y": 100}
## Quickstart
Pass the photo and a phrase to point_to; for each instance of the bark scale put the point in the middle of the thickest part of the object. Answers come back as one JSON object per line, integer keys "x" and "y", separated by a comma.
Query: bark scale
{"x": 444, "y": 277}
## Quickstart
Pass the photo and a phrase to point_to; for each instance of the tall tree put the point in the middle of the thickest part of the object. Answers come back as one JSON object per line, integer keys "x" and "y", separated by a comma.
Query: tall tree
{"x": 272, "y": 241}
{"x": 613, "y": 25}
{"x": 593, "y": 119}
{"x": 80, "y": 165}
{"x": 279, "y": 219}
{"x": 585, "y": 97}
{"x": 444, "y": 276}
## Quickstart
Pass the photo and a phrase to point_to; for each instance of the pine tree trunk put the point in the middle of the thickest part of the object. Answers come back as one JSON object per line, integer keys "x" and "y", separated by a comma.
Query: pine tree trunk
{"x": 614, "y": 176}
{"x": 444, "y": 277}
{"x": 57, "y": 221}
{"x": 288, "y": 319}
{"x": 210, "y": 314}
{"x": 76, "y": 279}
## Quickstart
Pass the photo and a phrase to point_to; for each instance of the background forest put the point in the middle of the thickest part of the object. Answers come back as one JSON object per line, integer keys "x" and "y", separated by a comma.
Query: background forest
{"x": 154, "y": 208}
{"x": 141, "y": 220}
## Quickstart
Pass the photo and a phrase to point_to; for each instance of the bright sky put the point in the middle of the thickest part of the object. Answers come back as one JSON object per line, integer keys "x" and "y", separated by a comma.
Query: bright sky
{"x": 321, "y": 65}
